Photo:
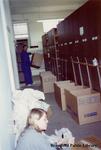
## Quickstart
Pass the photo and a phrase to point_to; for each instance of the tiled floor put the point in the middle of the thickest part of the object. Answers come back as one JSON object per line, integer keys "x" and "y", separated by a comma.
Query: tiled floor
{"x": 62, "y": 119}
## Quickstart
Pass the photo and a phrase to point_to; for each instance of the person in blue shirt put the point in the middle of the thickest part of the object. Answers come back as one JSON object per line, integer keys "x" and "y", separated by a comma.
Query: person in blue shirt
{"x": 25, "y": 65}
{"x": 32, "y": 138}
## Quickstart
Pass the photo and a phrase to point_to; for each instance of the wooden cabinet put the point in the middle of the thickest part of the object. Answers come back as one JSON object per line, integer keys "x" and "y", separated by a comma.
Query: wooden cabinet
{"x": 46, "y": 52}
{"x": 51, "y": 51}
{"x": 79, "y": 35}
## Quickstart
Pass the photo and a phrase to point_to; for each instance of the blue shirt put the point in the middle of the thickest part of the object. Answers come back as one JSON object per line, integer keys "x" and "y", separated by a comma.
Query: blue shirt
{"x": 30, "y": 139}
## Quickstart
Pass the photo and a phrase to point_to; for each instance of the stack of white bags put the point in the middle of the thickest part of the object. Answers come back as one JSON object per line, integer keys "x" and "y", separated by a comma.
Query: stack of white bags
{"x": 64, "y": 135}
{"x": 23, "y": 102}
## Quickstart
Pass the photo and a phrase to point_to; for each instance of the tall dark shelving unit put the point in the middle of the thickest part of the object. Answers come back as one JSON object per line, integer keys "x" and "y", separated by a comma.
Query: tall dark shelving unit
{"x": 51, "y": 52}
{"x": 73, "y": 43}
{"x": 46, "y": 53}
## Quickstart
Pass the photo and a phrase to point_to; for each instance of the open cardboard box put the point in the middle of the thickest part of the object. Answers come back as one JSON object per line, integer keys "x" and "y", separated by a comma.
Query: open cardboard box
{"x": 59, "y": 93}
{"x": 47, "y": 83}
{"x": 75, "y": 89}
{"x": 85, "y": 105}
{"x": 59, "y": 89}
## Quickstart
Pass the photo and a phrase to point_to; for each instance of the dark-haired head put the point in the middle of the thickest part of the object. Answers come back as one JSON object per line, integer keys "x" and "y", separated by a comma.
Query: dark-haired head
{"x": 25, "y": 47}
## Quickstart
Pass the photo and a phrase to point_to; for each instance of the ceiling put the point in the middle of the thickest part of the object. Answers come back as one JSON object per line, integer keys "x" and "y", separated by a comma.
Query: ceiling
{"x": 38, "y": 6}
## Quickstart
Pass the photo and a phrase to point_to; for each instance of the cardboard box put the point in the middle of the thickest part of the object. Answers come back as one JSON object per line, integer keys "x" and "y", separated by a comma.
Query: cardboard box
{"x": 74, "y": 89}
{"x": 45, "y": 73}
{"x": 47, "y": 83}
{"x": 59, "y": 93}
{"x": 63, "y": 82}
{"x": 85, "y": 106}
{"x": 59, "y": 89}
{"x": 48, "y": 78}
{"x": 37, "y": 59}
{"x": 88, "y": 143}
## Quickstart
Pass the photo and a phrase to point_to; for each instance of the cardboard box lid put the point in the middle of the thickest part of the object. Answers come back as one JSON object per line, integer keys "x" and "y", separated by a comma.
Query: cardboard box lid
{"x": 63, "y": 86}
{"x": 48, "y": 78}
{"x": 84, "y": 93}
{"x": 62, "y": 82}
{"x": 80, "y": 91}
{"x": 72, "y": 87}
{"x": 93, "y": 140}
{"x": 69, "y": 85}
{"x": 45, "y": 72}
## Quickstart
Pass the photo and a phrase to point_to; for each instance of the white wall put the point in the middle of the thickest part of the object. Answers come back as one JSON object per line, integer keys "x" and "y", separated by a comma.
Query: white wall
{"x": 12, "y": 61}
{"x": 7, "y": 84}
{"x": 36, "y": 31}
{"x": 36, "y": 28}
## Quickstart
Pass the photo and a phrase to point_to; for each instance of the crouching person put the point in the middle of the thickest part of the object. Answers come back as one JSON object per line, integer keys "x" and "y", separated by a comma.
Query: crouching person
{"x": 32, "y": 138}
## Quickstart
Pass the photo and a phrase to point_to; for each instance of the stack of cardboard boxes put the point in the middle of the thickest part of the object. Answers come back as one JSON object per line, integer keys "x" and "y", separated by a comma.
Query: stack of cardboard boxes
{"x": 47, "y": 81}
{"x": 82, "y": 103}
